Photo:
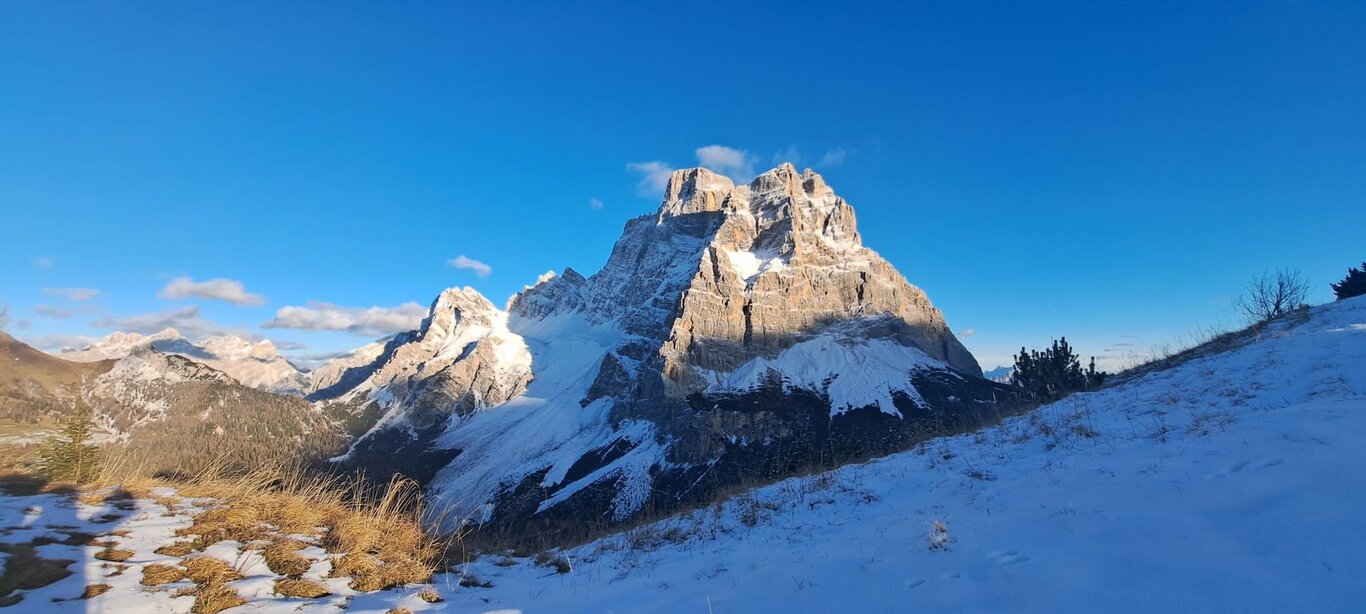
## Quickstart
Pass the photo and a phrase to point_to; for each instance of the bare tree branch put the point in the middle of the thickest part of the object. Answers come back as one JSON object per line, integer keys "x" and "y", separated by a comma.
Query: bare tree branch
{"x": 1272, "y": 295}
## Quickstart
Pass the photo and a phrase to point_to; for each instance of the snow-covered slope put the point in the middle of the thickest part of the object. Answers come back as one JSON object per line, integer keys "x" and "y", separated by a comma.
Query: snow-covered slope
{"x": 256, "y": 364}
{"x": 1224, "y": 484}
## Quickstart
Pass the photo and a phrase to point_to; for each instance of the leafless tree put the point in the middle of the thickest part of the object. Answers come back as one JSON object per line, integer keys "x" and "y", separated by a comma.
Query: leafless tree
{"x": 4, "y": 316}
{"x": 1272, "y": 295}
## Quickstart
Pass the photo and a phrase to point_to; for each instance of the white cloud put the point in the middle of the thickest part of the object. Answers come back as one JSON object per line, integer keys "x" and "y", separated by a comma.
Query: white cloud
{"x": 654, "y": 176}
{"x": 967, "y": 332}
{"x": 72, "y": 294}
{"x": 220, "y": 289}
{"x": 470, "y": 264}
{"x": 59, "y": 312}
{"x": 57, "y": 342}
{"x": 186, "y": 320}
{"x": 364, "y": 321}
{"x": 595, "y": 203}
{"x": 44, "y": 262}
{"x": 834, "y": 157}
{"x": 734, "y": 163}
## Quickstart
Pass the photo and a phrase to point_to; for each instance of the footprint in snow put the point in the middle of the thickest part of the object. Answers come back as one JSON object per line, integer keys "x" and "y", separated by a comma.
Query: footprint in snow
{"x": 917, "y": 583}
{"x": 1007, "y": 557}
{"x": 1242, "y": 464}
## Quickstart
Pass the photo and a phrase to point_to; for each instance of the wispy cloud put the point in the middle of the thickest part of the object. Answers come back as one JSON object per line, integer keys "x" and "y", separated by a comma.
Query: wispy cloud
{"x": 470, "y": 264}
{"x": 595, "y": 203}
{"x": 59, "y": 342}
{"x": 834, "y": 157}
{"x": 218, "y": 289}
{"x": 72, "y": 294}
{"x": 737, "y": 164}
{"x": 790, "y": 154}
{"x": 967, "y": 332}
{"x": 831, "y": 157}
{"x": 61, "y": 313}
{"x": 363, "y": 321}
{"x": 187, "y": 320}
{"x": 654, "y": 176}
{"x": 44, "y": 262}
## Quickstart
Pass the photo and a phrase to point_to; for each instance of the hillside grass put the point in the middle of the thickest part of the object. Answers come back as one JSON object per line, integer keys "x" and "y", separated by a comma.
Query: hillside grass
{"x": 374, "y": 534}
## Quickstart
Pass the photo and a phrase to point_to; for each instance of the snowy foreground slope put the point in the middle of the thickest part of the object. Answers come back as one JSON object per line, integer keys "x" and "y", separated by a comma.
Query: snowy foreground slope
{"x": 1229, "y": 483}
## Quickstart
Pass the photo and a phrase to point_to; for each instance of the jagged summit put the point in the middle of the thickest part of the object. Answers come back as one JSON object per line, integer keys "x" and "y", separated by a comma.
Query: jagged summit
{"x": 736, "y": 324}
{"x": 740, "y": 257}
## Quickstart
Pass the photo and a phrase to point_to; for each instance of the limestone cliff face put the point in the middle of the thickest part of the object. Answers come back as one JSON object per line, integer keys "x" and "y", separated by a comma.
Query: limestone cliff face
{"x": 461, "y": 359}
{"x": 785, "y": 262}
{"x": 723, "y": 274}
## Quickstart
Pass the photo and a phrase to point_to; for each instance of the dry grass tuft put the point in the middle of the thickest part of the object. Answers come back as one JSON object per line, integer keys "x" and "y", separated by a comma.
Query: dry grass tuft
{"x": 939, "y": 535}
{"x": 95, "y": 590}
{"x": 237, "y": 522}
{"x": 429, "y": 595}
{"x": 375, "y": 533}
{"x": 209, "y": 570}
{"x": 283, "y": 558}
{"x": 155, "y": 574}
{"x": 211, "y": 598}
{"x": 382, "y": 543}
{"x": 399, "y": 611}
{"x": 177, "y": 549}
{"x": 111, "y": 554}
{"x": 553, "y": 559}
{"x": 300, "y": 588}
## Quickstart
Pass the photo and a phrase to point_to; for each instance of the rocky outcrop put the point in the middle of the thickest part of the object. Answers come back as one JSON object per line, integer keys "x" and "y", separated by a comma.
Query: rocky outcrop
{"x": 461, "y": 359}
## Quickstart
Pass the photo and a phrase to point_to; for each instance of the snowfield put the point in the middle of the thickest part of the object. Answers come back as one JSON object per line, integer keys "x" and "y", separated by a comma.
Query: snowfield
{"x": 1228, "y": 483}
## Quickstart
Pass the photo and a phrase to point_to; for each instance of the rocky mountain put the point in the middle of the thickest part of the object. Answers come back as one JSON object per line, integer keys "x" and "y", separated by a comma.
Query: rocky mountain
{"x": 164, "y": 411}
{"x": 737, "y": 334}
{"x": 256, "y": 364}
{"x": 35, "y": 386}
{"x": 1000, "y": 374}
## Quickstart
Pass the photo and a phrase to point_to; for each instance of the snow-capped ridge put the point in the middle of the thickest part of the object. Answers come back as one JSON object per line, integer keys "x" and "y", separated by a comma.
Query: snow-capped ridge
{"x": 256, "y": 364}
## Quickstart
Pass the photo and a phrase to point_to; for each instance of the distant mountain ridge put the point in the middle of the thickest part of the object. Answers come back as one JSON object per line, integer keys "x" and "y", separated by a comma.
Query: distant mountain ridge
{"x": 171, "y": 412}
{"x": 256, "y": 364}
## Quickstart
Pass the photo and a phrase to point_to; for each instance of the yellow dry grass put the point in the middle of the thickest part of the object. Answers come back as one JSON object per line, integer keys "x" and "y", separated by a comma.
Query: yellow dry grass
{"x": 95, "y": 590}
{"x": 209, "y": 570}
{"x": 375, "y": 533}
{"x": 112, "y": 554}
{"x": 300, "y": 588}
{"x": 283, "y": 558}
{"x": 177, "y": 549}
{"x": 155, "y": 574}
{"x": 429, "y": 595}
{"x": 212, "y": 598}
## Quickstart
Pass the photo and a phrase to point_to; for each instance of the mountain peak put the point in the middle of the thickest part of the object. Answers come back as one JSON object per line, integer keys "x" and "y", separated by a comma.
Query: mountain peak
{"x": 694, "y": 190}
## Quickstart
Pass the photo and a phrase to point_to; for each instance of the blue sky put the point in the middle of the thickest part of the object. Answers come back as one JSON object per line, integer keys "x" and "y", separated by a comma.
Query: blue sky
{"x": 1113, "y": 174}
